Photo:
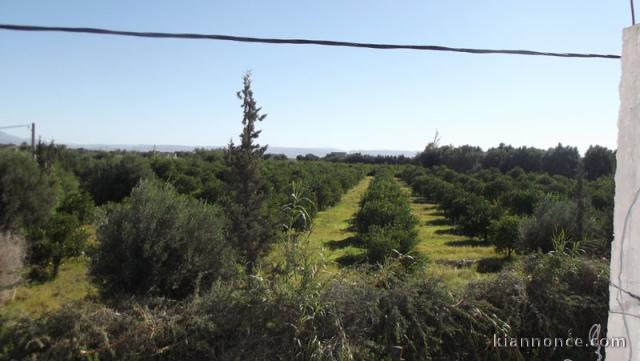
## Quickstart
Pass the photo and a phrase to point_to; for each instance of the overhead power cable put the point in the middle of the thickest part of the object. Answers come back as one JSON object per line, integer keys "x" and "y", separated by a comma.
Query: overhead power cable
{"x": 15, "y": 126}
{"x": 348, "y": 44}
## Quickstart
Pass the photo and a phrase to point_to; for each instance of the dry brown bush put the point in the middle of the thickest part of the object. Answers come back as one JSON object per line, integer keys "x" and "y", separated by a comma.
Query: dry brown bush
{"x": 11, "y": 262}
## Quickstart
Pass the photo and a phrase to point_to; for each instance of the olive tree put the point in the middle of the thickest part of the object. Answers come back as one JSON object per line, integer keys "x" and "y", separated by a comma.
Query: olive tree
{"x": 159, "y": 242}
{"x": 26, "y": 197}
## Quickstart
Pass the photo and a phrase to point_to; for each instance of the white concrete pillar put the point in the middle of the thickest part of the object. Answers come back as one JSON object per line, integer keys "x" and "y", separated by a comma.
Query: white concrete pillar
{"x": 624, "y": 315}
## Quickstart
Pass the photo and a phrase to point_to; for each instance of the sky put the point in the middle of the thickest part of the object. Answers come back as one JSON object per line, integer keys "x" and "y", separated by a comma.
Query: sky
{"x": 91, "y": 89}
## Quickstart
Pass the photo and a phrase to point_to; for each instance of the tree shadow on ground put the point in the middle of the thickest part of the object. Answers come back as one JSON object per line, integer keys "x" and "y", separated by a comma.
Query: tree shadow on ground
{"x": 348, "y": 259}
{"x": 493, "y": 264}
{"x": 468, "y": 243}
{"x": 457, "y": 263}
{"x": 418, "y": 199}
{"x": 438, "y": 222}
{"x": 423, "y": 200}
{"x": 351, "y": 259}
{"x": 351, "y": 225}
{"x": 351, "y": 241}
{"x": 453, "y": 231}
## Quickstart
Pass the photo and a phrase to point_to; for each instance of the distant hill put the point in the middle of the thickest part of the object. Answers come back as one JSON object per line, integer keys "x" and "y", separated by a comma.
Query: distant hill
{"x": 10, "y": 139}
{"x": 406, "y": 153}
{"x": 294, "y": 152}
{"x": 290, "y": 152}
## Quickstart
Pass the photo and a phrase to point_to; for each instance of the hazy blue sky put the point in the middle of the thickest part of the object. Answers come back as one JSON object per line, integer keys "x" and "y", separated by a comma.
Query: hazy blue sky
{"x": 98, "y": 89}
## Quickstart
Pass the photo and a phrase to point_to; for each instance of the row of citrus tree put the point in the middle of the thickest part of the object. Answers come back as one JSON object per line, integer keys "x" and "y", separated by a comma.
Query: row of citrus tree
{"x": 323, "y": 183}
{"x": 519, "y": 210}
{"x": 384, "y": 222}
{"x": 50, "y": 202}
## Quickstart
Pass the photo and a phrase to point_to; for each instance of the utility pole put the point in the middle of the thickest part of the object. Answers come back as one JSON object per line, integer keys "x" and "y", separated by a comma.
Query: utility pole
{"x": 33, "y": 139}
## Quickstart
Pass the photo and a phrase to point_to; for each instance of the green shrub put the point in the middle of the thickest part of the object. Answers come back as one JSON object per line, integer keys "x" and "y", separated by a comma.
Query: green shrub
{"x": 504, "y": 233}
{"x": 553, "y": 295}
{"x": 550, "y": 217}
{"x": 78, "y": 204}
{"x": 381, "y": 314}
{"x": 496, "y": 187}
{"x": 63, "y": 236}
{"x": 377, "y": 315}
{"x": 383, "y": 213}
{"x": 161, "y": 243}
{"x": 599, "y": 161}
{"x": 387, "y": 315}
{"x": 476, "y": 217}
{"x": 520, "y": 202}
{"x": 384, "y": 222}
{"x": 26, "y": 197}
{"x": 111, "y": 179}
{"x": 384, "y": 241}
{"x": 384, "y": 204}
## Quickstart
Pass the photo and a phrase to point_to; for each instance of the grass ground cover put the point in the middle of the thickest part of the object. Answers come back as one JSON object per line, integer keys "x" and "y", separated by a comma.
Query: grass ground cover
{"x": 35, "y": 299}
{"x": 456, "y": 258}
{"x": 332, "y": 236}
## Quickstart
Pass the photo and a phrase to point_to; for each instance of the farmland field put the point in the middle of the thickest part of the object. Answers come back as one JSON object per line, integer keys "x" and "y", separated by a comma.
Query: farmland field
{"x": 446, "y": 250}
{"x": 331, "y": 238}
{"x": 331, "y": 234}
{"x": 213, "y": 254}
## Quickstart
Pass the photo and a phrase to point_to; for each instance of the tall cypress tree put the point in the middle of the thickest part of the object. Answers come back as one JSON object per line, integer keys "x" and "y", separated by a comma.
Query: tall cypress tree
{"x": 250, "y": 225}
{"x": 580, "y": 205}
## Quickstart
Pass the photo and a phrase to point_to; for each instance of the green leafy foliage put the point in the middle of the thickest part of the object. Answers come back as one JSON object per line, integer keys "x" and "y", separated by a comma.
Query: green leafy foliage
{"x": 545, "y": 205}
{"x": 458, "y": 198}
{"x": 477, "y": 216}
{"x": 64, "y": 234}
{"x": 550, "y": 217}
{"x": 384, "y": 221}
{"x": 504, "y": 233}
{"x": 599, "y": 161}
{"x": 553, "y": 295}
{"x": 251, "y": 227}
{"x": 373, "y": 312}
{"x": 520, "y": 202}
{"x": 382, "y": 242}
{"x": 111, "y": 179}
{"x": 559, "y": 160}
{"x": 161, "y": 243}
{"x": 324, "y": 183}
{"x": 26, "y": 198}
{"x": 78, "y": 204}
{"x": 379, "y": 314}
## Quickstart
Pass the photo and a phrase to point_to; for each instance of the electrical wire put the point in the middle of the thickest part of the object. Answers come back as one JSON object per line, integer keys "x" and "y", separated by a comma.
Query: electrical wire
{"x": 244, "y": 39}
{"x": 16, "y": 126}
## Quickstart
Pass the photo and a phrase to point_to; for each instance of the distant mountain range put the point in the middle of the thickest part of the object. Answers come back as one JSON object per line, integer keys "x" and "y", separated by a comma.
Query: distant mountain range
{"x": 290, "y": 152}
{"x": 10, "y": 139}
